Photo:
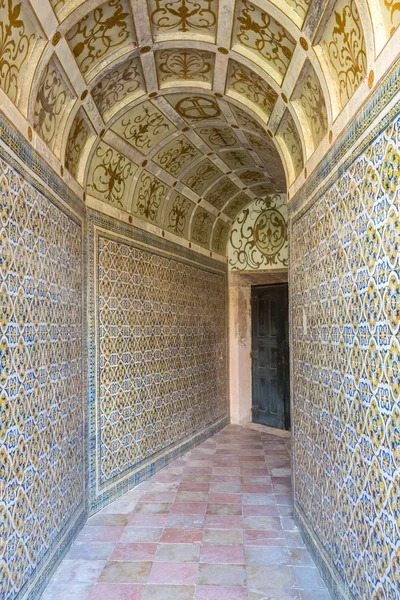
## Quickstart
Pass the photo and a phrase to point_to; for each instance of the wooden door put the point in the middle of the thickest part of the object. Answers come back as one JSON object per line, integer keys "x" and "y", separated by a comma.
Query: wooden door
{"x": 270, "y": 356}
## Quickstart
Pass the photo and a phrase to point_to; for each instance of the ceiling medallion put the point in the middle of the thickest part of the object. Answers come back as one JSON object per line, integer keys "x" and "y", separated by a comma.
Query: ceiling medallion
{"x": 84, "y": 94}
{"x": 198, "y": 108}
{"x": 145, "y": 49}
{"x": 223, "y": 50}
{"x": 284, "y": 97}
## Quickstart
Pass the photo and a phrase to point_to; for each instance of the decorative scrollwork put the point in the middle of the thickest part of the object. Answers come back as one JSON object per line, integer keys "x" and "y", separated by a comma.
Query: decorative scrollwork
{"x": 237, "y": 158}
{"x": 312, "y": 102}
{"x": 253, "y": 87}
{"x": 105, "y": 27}
{"x": 202, "y": 177}
{"x": 221, "y": 233}
{"x": 151, "y": 193}
{"x": 259, "y": 236}
{"x": 77, "y": 139}
{"x": 176, "y": 156}
{"x": 178, "y": 214}
{"x": 185, "y": 65}
{"x": 201, "y": 228}
{"x": 251, "y": 177}
{"x": 392, "y": 6}
{"x": 346, "y": 49}
{"x": 50, "y": 103}
{"x": 15, "y": 46}
{"x": 291, "y": 137}
{"x": 184, "y": 15}
{"x": 117, "y": 85}
{"x": 111, "y": 175}
{"x": 236, "y": 205}
{"x": 218, "y": 137}
{"x": 259, "y": 31}
{"x": 221, "y": 192}
{"x": 245, "y": 120}
{"x": 143, "y": 127}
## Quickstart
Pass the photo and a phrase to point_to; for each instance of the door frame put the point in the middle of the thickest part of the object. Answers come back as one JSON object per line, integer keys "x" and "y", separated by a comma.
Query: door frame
{"x": 240, "y": 342}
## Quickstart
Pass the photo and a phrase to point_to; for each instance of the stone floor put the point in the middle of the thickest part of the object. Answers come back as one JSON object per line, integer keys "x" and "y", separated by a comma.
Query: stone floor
{"x": 216, "y": 524}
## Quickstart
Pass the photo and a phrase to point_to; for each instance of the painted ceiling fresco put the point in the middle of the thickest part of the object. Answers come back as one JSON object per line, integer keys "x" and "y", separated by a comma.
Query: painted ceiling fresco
{"x": 181, "y": 112}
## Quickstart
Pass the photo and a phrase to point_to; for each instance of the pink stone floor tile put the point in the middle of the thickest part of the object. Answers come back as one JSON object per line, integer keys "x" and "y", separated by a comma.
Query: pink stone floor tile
{"x": 158, "y": 497}
{"x": 116, "y": 591}
{"x": 182, "y": 536}
{"x": 188, "y": 508}
{"x": 215, "y": 498}
{"x": 141, "y": 520}
{"x": 134, "y": 551}
{"x": 220, "y": 592}
{"x": 230, "y": 555}
{"x": 173, "y": 573}
{"x": 261, "y": 510}
{"x": 216, "y": 524}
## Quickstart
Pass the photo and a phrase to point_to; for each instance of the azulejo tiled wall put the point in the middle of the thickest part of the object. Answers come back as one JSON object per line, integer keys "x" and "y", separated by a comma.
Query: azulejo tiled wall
{"x": 42, "y": 466}
{"x": 159, "y": 367}
{"x": 346, "y": 368}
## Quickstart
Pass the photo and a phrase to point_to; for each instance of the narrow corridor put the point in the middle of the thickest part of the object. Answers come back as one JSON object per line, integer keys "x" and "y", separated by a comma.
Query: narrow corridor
{"x": 216, "y": 524}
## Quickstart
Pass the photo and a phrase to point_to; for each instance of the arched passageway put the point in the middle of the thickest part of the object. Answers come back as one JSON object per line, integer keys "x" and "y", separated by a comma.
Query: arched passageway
{"x": 137, "y": 141}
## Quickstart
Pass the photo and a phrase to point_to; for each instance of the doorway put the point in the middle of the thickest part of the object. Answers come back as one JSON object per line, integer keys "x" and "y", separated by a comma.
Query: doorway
{"x": 270, "y": 355}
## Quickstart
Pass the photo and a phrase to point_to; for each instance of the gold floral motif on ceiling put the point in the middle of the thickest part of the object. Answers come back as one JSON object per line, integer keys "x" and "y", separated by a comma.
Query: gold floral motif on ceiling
{"x": 220, "y": 237}
{"x": 218, "y": 137}
{"x": 236, "y": 205}
{"x": 201, "y": 176}
{"x": 149, "y": 197}
{"x": 178, "y": 213}
{"x": 309, "y": 100}
{"x": 246, "y": 83}
{"x": 289, "y": 134}
{"x": 183, "y": 18}
{"x": 268, "y": 154}
{"x": 143, "y": 127}
{"x": 177, "y": 155}
{"x": 251, "y": 176}
{"x": 101, "y": 32}
{"x": 184, "y": 66}
{"x": 118, "y": 87}
{"x": 202, "y": 226}
{"x": 344, "y": 44}
{"x": 296, "y": 9}
{"x": 53, "y": 102}
{"x": 110, "y": 176}
{"x": 236, "y": 159}
{"x": 391, "y": 14}
{"x": 246, "y": 121}
{"x": 263, "y": 37}
{"x": 17, "y": 38}
{"x": 77, "y": 138}
{"x": 221, "y": 192}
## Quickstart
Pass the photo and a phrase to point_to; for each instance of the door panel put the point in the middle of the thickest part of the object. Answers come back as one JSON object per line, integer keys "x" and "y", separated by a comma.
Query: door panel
{"x": 270, "y": 352}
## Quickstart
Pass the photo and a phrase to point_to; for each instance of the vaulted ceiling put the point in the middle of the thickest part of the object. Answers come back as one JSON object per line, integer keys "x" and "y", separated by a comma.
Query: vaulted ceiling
{"x": 181, "y": 112}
